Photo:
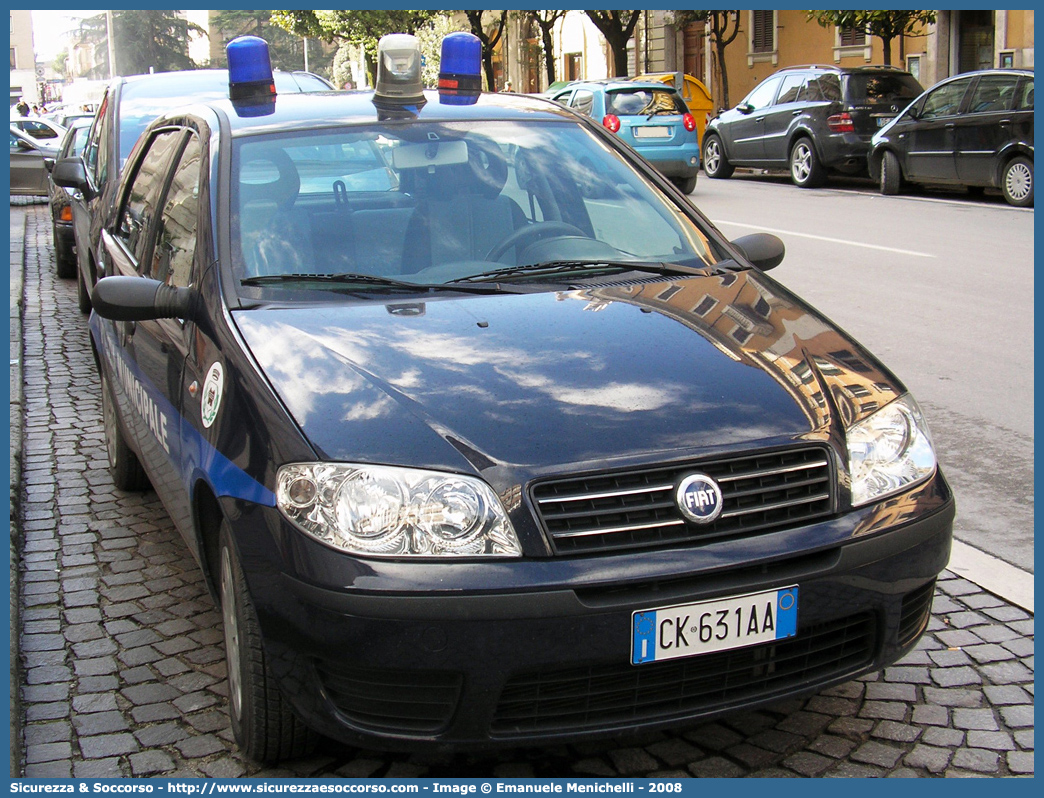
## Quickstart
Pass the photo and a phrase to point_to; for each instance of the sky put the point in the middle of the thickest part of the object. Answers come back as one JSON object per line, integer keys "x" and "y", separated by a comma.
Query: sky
{"x": 48, "y": 30}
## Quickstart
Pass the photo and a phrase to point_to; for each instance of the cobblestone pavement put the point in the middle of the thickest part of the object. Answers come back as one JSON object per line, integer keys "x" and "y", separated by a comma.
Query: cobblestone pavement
{"x": 123, "y": 669}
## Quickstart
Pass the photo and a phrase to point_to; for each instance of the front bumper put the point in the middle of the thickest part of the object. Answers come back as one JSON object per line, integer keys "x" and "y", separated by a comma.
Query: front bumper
{"x": 378, "y": 664}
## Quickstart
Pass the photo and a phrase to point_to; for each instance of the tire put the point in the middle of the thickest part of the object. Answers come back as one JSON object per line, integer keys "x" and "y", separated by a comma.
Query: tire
{"x": 715, "y": 164}
{"x": 124, "y": 465}
{"x": 64, "y": 257}
{"x": 805, "y": 169}
{"x": 265, "y": 727}
{"x": 83, "y": 297}
{"x": 891, "y": 175}
{"x": 1017, "y": 182}
{"x": 686, "y": 185}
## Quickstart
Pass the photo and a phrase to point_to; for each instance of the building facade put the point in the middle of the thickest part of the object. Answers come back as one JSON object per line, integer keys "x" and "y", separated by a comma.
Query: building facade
{"x": 24, "y": 82}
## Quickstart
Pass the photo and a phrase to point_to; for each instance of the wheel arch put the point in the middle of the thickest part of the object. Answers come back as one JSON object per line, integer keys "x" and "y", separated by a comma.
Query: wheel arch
{"x": 873, "y": 162}
{"x": 207, "y": 518}
{"x": 1006, "y": 156}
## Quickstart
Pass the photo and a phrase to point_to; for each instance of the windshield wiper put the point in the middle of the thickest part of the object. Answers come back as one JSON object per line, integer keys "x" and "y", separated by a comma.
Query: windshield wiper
{"x": 588, "y": 266}
{"x": 348, "y": 278}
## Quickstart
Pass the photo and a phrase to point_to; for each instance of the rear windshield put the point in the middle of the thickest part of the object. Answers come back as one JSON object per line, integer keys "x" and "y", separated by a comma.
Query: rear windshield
{"x": 643, "y": 102}
{"x": 886, "y": 87}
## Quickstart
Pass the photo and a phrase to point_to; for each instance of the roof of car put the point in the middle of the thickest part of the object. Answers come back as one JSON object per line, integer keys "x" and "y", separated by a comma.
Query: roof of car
{"x": 320, "y": 109}
{"x": 869, "y": 68}
{"x": 621, "y": 83}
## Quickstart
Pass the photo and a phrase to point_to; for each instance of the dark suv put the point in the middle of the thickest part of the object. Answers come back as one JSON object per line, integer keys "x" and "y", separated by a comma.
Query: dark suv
{"x": 810, "y": 120}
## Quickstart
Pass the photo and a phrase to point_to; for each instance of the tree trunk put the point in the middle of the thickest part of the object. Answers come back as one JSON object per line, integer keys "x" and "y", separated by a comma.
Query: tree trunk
{"x": 619, "y": 58}
{"x": 549, "y": 55}
{"x": 487, "y": 67}
{"x": 724, "y": 78}
{"x": 887, "y": 50}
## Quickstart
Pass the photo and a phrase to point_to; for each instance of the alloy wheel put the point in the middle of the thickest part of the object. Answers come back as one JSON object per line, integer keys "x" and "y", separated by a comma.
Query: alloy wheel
{"x": 1018, "y": 181}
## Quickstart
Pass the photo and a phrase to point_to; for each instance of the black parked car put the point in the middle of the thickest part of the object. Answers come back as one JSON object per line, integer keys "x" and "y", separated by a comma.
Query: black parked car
{"x": 129, "y": 104}
{"x": 811, "y": 120}
{"x": 61, "y": 200}
{"x": 484, "y": 436}
{"x": 974, "y": 130}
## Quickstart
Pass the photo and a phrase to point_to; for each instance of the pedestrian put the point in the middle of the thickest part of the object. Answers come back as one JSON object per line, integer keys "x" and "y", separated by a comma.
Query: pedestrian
{"x": 507, "y": 86}
{"x": 22, "y": 107}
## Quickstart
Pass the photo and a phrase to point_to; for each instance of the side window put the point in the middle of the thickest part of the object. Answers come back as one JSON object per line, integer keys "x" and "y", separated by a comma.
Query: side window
{"x": 945, "y": 100}
{"x": 791, "y": 88}
{"x": 583, "y": 101}
{"x": 992, "y": 93}
{"x": 90, "y": 152}
{"x": 176, "y": 237}
{"x": 139, "y": 209}
{"x": 762, "y": 96}
{"x": 1025, "y": 95}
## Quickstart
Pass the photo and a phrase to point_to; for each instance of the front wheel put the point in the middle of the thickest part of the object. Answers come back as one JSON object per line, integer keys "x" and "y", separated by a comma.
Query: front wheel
{"x": 686, "y": 185}
{"x": 1017, "y": 182}
{"x": 805, "y": 169}
{"x": 83, "y": 296}
{"x": 64, "y": 257}
{"x": 891, "y": 176}
{"x": 124, "y": 465}
{"x": 264, "y": 725}
{"x": 715, "y": 164}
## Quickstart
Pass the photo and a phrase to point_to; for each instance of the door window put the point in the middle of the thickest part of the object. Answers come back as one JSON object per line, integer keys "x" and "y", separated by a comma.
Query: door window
{"x": 582, "y": 101}
{"x": 139, "y": 209}
{"x": 762, "y": 96}
{"x": 945, "y": 100}
{"x": 176, "y": 236}
{"x": 1024, "y": 101}
{"x": 992, "y": 93}
{"x": 791, "y": 89}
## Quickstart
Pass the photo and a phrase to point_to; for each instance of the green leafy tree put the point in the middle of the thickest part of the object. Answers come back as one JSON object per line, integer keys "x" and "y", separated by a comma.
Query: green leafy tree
{"x": 144, "y": 40}
{"x": 490, "y": 36}
{"x": 885, "y": 25}
{"x": 617, "y": 27}
{"x": 364, "y": 28}
{"x": 545, "y": 21}
{"x": 430, "y": 37}
{"x": 285, "y": 49}
{"x": 724, "y": 28}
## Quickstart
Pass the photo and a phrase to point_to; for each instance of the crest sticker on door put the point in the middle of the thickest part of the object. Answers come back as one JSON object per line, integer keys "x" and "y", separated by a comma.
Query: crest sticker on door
{"x": 212, "y": 388}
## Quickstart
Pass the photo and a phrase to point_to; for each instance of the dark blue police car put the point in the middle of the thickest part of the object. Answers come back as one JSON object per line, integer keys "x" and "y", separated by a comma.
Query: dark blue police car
{"x": 483, "y": 434}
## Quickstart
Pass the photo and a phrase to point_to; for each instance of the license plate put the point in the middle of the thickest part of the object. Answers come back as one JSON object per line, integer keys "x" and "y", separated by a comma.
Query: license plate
{"x": 884, "y": 120}
{"x": 718, "y": 625}
{"x": 651, "y": 132}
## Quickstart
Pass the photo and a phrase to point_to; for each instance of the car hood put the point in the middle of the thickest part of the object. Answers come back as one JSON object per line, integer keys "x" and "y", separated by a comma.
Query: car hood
{"x": 543, "y": 382}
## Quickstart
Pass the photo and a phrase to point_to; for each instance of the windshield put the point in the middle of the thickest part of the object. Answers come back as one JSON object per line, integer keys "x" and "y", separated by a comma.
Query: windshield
{"x": 431, "y": 203}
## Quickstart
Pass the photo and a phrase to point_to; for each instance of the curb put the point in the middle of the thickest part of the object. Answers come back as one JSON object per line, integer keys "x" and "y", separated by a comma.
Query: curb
{"x": 17, "y": 304}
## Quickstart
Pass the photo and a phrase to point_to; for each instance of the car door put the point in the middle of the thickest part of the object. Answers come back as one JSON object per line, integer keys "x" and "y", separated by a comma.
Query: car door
{"x": 146, "y": 358}
{"x": 747, "y": 131}
{"x": 984, "y": 128}
{"x": 778, "y": 117}
{"x": 28, "y": 175}
{"x": 932, "y": 137}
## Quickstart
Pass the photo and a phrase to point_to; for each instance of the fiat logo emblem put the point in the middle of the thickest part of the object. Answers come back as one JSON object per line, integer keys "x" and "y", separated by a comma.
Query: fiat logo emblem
{"x": 699, "y": 498}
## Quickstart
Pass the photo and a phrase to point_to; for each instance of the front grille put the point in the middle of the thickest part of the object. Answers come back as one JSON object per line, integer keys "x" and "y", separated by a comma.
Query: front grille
{"x": 607, "y": 697}
{"x": 916, "y": 610}
{"x": 396, "y": 701}
{"x": 636, "y": 509}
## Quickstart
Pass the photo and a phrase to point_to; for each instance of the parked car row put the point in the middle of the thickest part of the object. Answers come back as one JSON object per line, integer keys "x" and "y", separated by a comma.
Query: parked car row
{"x": 974, "y": 129}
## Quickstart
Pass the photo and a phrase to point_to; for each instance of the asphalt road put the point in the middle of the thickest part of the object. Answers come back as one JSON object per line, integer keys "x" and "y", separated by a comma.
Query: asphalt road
{"x": 940, "y": 287}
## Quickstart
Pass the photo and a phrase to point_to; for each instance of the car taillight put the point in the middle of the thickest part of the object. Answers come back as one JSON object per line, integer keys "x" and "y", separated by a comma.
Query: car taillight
{"x": 65, "y": 214}
{"x": 689, "y": 122}
{"x": 840, "y": 123}
{"x": 611, "y": 123}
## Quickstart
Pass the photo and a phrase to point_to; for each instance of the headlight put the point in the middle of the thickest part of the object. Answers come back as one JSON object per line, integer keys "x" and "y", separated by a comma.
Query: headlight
{"x": 889, "y": 451}
{"x": 386, "y": 511}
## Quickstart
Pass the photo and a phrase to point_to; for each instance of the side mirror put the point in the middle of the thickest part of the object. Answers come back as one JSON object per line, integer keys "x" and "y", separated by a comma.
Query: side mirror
{"x": 123, "y": 298}
{"x": 25, "y": 145}
{"x": 49, "y": 164}
{"x": 744, "y": 108}
{"x": 71, "y": 173}
{"x": 762, "y": 249}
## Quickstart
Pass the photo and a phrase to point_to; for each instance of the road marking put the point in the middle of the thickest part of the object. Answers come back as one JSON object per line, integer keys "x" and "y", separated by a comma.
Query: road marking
{"x": 990, "y": 573}
{"x": 847, "y": 243}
